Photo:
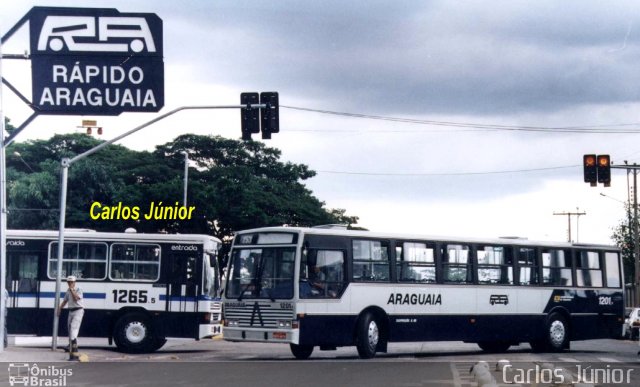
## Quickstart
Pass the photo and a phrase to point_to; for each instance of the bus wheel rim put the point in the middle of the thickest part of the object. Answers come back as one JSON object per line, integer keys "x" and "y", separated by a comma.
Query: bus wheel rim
{"x": 135, "y": 332}
{"x": 373, "y": 334}
{"x": 557, "y": 332}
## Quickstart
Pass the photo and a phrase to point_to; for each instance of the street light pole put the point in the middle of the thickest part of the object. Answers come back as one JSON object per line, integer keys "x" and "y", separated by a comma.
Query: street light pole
{"x": 186, "y": 176}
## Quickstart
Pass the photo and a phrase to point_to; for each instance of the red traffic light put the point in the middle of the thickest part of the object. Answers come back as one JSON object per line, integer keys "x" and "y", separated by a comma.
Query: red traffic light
{"x": 590, "y": 170}
{"x": 604, "y": 160}
{"x": 589, "y": 160}
{"x": 604, "y": 170}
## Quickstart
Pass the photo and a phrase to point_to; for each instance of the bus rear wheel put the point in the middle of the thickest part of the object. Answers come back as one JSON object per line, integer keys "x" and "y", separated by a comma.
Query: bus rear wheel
{"x": 557, "y": 333}
{"x": 301, "y": 352}
{"x": 494, "y": 346}
{"x": 368, "y": 336}
{"x": 556, "y": 337}
{"x": 132, "y": 334}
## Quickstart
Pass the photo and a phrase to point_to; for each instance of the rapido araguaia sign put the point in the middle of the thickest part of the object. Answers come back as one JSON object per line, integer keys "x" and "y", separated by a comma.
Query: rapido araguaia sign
{"x": 95, "y": 61}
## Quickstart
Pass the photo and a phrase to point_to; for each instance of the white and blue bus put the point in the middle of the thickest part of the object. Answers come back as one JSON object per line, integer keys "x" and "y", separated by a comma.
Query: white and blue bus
{"x": 327, "y": 288}
{"x": 138, "y": 289}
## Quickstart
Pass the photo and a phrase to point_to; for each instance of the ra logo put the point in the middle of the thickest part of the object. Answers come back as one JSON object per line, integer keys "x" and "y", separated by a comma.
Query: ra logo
{"x": 96, "y": 34}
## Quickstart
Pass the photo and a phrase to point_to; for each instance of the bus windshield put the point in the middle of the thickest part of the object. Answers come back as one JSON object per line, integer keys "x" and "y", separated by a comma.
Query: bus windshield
{"x": 261, "y": 273}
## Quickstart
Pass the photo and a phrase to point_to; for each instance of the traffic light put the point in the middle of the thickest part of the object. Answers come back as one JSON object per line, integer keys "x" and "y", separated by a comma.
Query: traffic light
{"x": 250, "y": 116}
{"x": 590, "y": 170}
{"x": 604, "y": 170}
{"x": 269, "y": 114}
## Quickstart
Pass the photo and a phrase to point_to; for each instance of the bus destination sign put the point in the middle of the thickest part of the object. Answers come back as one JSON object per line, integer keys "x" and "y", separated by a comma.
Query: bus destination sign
{"x": 95, "y": 61}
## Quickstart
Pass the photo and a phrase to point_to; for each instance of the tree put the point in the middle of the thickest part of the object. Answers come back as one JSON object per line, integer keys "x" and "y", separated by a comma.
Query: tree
{"x": 240, "y": 185}
{"x": 232, "y": 185}
{"x": 623, "y": 238}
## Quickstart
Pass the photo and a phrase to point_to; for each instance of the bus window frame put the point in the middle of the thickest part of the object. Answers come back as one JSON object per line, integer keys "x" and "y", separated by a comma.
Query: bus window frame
{"x": 399, "y": 262}
{"x": 508, "y": 251}
{"x": 620, "y": 264}
{"x": 51, "y": 250}
{"x": 600, "y": 257}
{"x": 443, "y": 250}
{"x": 159, "y": 246}
{"x": 304, "y": 252}
{"x": 568, "y": 253}
{"x": 390, "y": 247}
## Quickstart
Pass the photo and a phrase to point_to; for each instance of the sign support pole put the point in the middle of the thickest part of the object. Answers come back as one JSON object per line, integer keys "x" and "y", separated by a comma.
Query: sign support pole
{"x": 3, "y": 216}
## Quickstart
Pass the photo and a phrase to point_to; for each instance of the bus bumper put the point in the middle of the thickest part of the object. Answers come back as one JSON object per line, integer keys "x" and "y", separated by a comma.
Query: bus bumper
{"x": 261, "y": 335}
{"x": 209, "y": 330}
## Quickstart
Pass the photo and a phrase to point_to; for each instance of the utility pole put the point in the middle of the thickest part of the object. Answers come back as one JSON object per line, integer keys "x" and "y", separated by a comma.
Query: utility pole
{"x": 569, "y": 214}
{"x": 636, "y": 248}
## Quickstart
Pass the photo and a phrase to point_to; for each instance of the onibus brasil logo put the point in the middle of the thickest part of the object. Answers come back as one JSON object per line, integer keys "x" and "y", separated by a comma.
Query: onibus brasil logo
{"x": 25, "y": 374}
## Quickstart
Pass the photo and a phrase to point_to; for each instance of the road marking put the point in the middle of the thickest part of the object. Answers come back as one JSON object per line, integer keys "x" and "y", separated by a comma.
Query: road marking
{"x": 608, "y": 360}
{"x": 463, "y": 377}
{"x": 568, "y": 359}
{"x": 456, "y": 376}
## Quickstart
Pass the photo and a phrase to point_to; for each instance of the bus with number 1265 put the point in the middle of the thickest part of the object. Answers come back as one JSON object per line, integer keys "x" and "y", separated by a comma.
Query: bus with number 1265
{"x": 327, "y": 288}
{"x": 138, "y": 289}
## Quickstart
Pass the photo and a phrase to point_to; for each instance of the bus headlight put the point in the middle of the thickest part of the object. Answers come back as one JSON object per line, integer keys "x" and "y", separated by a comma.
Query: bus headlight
{"x": 287, "y": 324}
{"x": 231, "y": 323}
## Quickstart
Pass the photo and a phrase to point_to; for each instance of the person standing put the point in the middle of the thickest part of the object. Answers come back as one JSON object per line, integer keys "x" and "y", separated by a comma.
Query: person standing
{"x": 73, "y": 298}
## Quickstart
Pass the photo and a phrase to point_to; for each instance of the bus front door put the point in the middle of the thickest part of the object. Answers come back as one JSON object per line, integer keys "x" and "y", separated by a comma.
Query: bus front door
{"x": 182, "y": 287}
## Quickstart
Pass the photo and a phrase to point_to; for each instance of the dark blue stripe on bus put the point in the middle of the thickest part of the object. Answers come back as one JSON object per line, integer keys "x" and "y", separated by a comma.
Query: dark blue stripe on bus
{"x": 177, "y": 298}
{"x": 102, "y": 296}
{"x": 99, "y": 296}
{"x": 341, "y": 330}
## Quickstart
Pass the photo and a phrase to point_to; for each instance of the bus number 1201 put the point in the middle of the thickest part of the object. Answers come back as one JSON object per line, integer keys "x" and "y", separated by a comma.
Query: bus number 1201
{"x": 125, "y": 296}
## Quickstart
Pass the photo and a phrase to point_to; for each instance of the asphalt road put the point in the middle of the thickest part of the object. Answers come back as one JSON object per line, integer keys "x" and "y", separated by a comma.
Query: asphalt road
{"x": 215, "y": 362}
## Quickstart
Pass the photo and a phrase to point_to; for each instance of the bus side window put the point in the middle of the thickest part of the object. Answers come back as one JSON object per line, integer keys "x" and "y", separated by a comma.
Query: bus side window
{"x": 370, "y": 260}
{"x": 322, "y": 273}
{"x": 588, "y": 269}
{"x": 456, "y": 264}
{"x": 557, "y": 267}
{"x": 495, "y": 265}
{"x": 24, "y": 269}
{"x": 613, "y": 269}
{"x": 528, "y": 266}
{"x": 417, "y": 262}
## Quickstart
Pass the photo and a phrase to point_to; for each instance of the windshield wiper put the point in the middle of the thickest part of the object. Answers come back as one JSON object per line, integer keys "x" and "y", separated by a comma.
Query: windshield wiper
{"x": 252, "y": 282}
{"x": 255, "y": 281}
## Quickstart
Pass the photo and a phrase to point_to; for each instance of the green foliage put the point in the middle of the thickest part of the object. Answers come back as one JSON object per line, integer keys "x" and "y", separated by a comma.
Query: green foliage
{"x": 623, "y": 238}
{"x": 233, "y": 185}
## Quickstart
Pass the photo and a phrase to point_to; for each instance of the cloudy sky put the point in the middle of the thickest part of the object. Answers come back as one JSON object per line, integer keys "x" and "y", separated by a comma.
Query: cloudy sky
{"x": 462, "y": 109}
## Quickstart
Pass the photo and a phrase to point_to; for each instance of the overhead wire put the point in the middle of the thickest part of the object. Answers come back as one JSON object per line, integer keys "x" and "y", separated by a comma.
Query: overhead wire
{"x": 585, "y": 129}
{"x": 471, "y": 126}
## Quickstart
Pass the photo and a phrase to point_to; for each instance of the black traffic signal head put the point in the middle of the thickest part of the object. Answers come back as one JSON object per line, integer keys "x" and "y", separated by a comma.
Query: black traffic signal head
{"x": 590, "y": 170}
{"x": 250, "y": 116}
{"x": 269, "y": 114}
{"x": 604, "y": 169}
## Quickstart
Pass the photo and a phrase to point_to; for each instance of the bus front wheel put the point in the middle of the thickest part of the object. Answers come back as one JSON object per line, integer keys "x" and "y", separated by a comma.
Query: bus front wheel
{"x": 368, "y": 336}
{"x": 301, "y": 352}
{"x": 132, "y": 333}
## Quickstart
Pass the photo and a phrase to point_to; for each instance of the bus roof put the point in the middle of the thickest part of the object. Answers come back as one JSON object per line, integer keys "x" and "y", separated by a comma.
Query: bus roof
{"x": 112, "y": 236}
{"x": 418, "y": 237}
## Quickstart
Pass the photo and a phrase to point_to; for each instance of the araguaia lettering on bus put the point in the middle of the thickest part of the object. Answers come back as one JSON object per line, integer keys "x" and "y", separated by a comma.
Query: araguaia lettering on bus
{"x": 414, "y": 299}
